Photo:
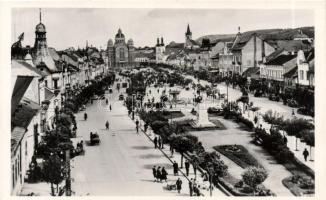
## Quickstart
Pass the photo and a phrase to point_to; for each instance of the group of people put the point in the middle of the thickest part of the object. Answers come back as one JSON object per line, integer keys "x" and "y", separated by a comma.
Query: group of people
{"x": 194, "y": 188}
{"x": 159, "y": 174}
{"x": 158, "y": 142}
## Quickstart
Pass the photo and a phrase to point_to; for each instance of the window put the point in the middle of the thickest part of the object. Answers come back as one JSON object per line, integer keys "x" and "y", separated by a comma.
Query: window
{"x": 301, "y": 74}
{"x": 55, "y": 83}
{"x": 46, "y": 83}
{"x": 122, "y": 54}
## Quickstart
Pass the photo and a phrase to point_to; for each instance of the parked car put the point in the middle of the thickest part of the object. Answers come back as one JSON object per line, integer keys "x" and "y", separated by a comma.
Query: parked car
{"x": 121, "y": 97}
{"x": 292, "y": 103}
{"x": 258, "y": 93}
{"x": 274, "y": 97}
{"x": 214, "y": 110}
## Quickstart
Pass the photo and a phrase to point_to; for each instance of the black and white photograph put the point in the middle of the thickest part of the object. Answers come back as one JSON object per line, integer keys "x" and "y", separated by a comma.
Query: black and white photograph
{"x": 178, "y": 102}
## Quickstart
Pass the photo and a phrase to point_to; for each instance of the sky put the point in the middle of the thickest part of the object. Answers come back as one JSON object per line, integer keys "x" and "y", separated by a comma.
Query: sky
{"x": 71, "y": 27}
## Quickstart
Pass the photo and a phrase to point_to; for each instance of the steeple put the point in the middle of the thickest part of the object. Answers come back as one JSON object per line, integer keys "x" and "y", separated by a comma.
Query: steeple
{"x": 40, "y": 15}
{"x": 162, "y": 43}
{"x": 239, "y": 30}
{"x": 158, "y": 42}
{"x": 188, "y": 30}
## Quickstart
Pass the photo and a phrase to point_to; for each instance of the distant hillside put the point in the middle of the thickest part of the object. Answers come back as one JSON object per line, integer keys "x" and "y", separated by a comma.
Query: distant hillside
{"x": 213, "y": 38}
{"x": 268, "y": 34}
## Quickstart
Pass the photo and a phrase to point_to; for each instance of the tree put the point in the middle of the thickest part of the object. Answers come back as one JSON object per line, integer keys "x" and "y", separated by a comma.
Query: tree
{"x": 295, "y": 127}
{"x": 309, "y": 138}
{"x": 182, "y": 144}
{"x": 253, "y": 176}
{"x": 53, "y": 171}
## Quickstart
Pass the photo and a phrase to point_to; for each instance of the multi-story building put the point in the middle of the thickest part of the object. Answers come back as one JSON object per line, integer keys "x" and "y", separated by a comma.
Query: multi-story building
{"x": 121, "y": 54}
{"x": 160, "y": 51}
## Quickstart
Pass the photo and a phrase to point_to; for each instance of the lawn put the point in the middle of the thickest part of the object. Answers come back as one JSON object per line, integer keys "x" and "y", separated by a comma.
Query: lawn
{"x": 238, "y": 154}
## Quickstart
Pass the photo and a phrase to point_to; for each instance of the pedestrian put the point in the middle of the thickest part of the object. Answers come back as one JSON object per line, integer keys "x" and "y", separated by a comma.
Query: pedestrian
{"x": 85, "y": 116}
{"x": 164, "y": 174}
{"x": 159, "y": 174}
{"x": 155, "y": 142}
{"x": 175, "y": 168}
{"x": 305, "y": 154}
{"x": 159, "y": 142}
{"x": 187, "y": 165}
{"x": 191, "y": 187}
{"x": 154, "y": 173}
{"x": 145, "y": 127}
{"x": 293, "y": 112}
{"x": 137, "y": 128}
{"x": 110, "y": 107}
{"x": 178, "y": 183}
{"x": 107, "y": 125}
{"x": 285, "y": 140}
{"x": 106, "y": 101}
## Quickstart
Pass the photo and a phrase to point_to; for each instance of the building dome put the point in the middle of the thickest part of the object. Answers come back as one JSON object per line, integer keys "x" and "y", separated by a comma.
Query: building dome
{"x": 130, "y": 42}
{"x": 110, "y": 43}
{"x": 119, "y": 34}
{"x": 40, "y": 28}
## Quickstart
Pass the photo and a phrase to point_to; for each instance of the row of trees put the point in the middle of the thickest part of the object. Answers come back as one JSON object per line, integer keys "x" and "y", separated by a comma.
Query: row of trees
{"x": 176, "y": 135}
{"x": 297, "y": 127}
{"x": 57, "y": 141}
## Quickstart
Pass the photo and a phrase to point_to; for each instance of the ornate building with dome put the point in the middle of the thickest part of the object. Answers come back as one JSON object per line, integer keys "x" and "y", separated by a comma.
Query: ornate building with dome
{"x": 121, "y": 54}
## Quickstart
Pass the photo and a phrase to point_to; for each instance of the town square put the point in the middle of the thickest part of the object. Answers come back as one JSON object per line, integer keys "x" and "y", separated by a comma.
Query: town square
{"x": 162, "y": 109}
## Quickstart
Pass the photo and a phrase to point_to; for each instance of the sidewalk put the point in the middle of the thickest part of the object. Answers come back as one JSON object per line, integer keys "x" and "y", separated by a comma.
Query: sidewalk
{"x": 177, "y": 157}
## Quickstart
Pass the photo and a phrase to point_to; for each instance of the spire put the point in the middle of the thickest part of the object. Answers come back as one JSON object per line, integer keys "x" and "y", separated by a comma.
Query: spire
{"x": 162, "y": 43}
{"x": 158, "y": 42}
{"x": 40, "y": 15}
{"x": 188, "y": 30}
{"x": 86, "y": 44}
{"x": 238, "y": 29}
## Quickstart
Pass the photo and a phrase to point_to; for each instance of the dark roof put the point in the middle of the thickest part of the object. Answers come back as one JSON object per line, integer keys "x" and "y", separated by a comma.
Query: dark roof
{"x": 251, "y": 71}
{"x": 280, "y": 60}
{"x": 291, "y": 73}
{"x": 24, "y": 113}
{"x": 273, "y": 55}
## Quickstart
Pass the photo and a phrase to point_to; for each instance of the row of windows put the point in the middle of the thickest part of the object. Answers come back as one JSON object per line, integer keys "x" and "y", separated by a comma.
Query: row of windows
{"x": 16, "y": 170}
{"x": 273, "y": 73}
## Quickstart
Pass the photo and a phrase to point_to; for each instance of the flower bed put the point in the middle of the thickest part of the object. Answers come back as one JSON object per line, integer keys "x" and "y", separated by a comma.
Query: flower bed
{"x": 238, "y": 154}
{"x": 300, "y": 185}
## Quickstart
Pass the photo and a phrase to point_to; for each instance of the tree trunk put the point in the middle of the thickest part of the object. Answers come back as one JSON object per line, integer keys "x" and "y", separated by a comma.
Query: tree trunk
{"x": 57, "y": 188}
{"x": 52, "y": 189}
{"x": 311, "y": 159}
{"x": 296, "y": 144}
{"x": 181, "y": 165}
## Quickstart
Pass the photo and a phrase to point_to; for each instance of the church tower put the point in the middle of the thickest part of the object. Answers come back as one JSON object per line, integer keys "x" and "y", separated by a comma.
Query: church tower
{"x": 188, "y": 37}
{"x": 41, "y": 53}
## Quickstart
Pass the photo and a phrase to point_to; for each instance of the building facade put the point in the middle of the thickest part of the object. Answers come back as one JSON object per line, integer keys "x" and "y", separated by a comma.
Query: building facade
{"x": 120, "y": 54}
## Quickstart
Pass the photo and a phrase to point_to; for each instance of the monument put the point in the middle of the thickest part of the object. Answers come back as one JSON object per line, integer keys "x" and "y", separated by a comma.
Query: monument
{"x": 202, "y": 117}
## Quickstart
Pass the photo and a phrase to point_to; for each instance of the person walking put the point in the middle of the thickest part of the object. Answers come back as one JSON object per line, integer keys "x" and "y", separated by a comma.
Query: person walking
{"x": 137, "y": 128}
{"x": 159, "y": 142}
{"x": 164, "y": 174}
{"x": 191, "y": 188}
{"x": 179, "y": 184}
{"x": 155, "y": 142}
{"x": 159, "y": 174}
{"x": 305, "y": 154}
{"x": 145, "y": 127}
{"x": 154, "y": 173}
{"x": 187, "y": 165}
{"x": 175, "y": 168}
{"x": 107, "y": 125}
{"x": 85, "y": 116}
{"x": 110, "y": 107}
{"x": 106, "y": 101}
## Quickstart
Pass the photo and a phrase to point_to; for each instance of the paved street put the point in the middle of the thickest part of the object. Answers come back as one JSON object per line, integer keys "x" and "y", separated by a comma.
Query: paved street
{"x": 121, "y": 164}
